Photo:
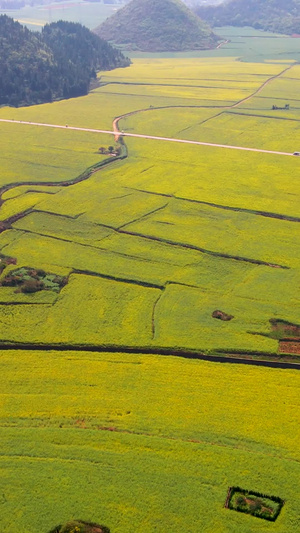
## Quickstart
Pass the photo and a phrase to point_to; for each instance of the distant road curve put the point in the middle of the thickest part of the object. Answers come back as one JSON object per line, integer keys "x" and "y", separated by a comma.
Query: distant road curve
{"x": 117, "y": 134}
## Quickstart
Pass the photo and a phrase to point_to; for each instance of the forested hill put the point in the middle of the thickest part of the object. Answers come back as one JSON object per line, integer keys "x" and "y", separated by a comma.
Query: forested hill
{"x": 57, "y": 63}
{"x": 157, "y": 26}
{"x": 281, "y": 16}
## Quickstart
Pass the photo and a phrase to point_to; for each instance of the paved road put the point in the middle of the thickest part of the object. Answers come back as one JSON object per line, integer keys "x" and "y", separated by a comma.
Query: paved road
{"x": 140, "y": 136}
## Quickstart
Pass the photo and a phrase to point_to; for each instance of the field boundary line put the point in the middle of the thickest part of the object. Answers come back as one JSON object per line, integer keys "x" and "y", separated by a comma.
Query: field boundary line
{"x": 267, "y": 214}
{"x": 223, "y": 357}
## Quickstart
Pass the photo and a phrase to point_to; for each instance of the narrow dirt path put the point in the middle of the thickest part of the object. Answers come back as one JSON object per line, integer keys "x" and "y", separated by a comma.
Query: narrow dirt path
{"x": 267, "y": 82}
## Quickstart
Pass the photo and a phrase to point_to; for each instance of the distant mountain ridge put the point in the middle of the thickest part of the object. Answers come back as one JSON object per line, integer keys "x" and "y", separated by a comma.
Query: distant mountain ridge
{"x": 57, "y": 63}
{"x": 282, "y": 16}
{"x": 157, "y": 26}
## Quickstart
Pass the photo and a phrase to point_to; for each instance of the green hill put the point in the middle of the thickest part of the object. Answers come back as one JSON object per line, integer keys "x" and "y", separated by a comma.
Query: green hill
{"x": 157, "y": 26}
{"x": 57, "y": 63}
{"x": 281, "y": 16}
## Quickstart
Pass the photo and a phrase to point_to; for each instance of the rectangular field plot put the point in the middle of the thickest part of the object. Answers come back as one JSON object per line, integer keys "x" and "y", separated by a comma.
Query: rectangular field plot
{"x": 263, "y": 106}
{"x": 254, "y": 503}
{"x": 151, "y": 250}
{"x": 99, "y": 311}
{"x": 283, "y": 87}
{"x": 26, "y": 189}
{"x": 223, "y": 231}
{"x": 125, "y": 207}
{"x": 162, "y": 122}
{"x": 89, "y": 310}
{"x": 65, "y": 228}
{"x": 181, "y": 70}
{"x": 20, "y": 204}
{"x": 183, "y": 317}
{"x": 233, "y": 128}
{"x": 38, "y": 250}
{"x": 241, "y": 179}
{"x": 187, "y": 94}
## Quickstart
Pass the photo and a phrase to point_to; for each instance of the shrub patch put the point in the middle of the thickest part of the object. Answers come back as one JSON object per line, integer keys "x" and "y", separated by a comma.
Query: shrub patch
{"x": 29, "y": 280}
{"x": 254, "y": 503}
{"x": 220, "y": 315}
{"x": 6, "y": 260}
{"x": 80, "y": 526}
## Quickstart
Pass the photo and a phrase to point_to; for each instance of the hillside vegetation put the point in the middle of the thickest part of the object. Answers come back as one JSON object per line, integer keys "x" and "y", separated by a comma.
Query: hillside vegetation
{"x": 282, "y": 16}
{"x": 58, "y": 63}
{"x": 157, "y": 26}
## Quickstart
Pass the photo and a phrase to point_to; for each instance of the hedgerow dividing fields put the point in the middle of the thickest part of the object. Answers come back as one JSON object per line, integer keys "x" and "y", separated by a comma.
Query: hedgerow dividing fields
{"x": 151, "y": 246}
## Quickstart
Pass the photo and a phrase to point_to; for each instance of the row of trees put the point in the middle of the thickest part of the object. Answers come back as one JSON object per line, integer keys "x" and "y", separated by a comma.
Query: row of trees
{"x": 58, "y": 63}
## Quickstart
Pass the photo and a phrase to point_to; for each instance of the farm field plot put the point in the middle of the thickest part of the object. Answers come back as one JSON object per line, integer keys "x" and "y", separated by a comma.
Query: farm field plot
{"x": 240, "y": 179}
{"x": 191, "y": 80}
{"x": 222, "y": 230}
{"x": 167, "y": 460}
{"x": 179, "y": 71}
{"x": 150, "y": 246}
{"x": 263, "y": 106}
{"x": 239, "y": 129}
{"x": 134, "y": 232}
{"x": 44, "y": 154}
{"x": 290, "y": 88}
{"x": 189, "y": 95}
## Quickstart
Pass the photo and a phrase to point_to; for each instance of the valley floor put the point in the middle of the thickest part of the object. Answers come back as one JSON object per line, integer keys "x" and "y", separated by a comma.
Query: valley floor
{"x": 151, "y": 238}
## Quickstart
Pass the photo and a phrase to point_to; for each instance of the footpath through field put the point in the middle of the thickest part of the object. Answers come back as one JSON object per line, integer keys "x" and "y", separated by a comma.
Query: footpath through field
{"x": 118, "y": 134}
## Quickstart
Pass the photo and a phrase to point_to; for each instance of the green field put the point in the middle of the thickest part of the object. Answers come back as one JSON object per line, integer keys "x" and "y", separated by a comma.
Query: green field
{"x": 152, "y": 245}
{"x": 164, "y": 463}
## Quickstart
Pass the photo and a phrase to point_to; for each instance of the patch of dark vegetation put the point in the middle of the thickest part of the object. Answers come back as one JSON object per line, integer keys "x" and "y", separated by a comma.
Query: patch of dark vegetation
{"x": 29, "y": 280}
{"x": 57, "y": 63}
{"x": 120, "y": 279}
{"x": 254, "y": 503}
{"x": 80, "y": 526}
{"x": 288, "y": 336}
{"x": 282, "y": 329}
{"x": 270, "y": 15}
{"x": 5, "y": 260}
{"x": 110, "y": 150}
{"x": 220, "y": 315}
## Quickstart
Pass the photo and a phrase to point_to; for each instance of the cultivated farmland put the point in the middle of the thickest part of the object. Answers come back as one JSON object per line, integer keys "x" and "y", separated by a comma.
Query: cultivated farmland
{"x": 99, "y": 420}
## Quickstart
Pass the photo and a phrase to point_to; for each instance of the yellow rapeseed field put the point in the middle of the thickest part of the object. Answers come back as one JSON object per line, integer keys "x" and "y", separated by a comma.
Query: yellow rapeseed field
{"x": 151, "y": 246}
